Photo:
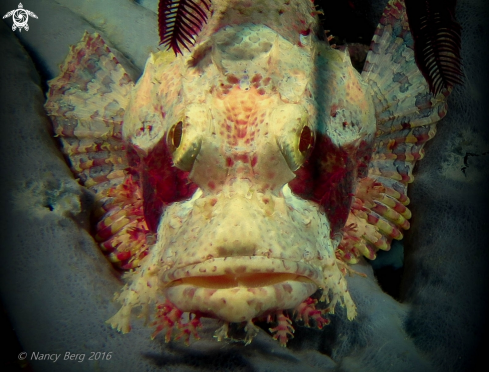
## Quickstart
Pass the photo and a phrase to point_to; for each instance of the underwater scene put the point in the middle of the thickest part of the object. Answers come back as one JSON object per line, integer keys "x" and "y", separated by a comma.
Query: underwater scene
{"x": 238, "y": 185}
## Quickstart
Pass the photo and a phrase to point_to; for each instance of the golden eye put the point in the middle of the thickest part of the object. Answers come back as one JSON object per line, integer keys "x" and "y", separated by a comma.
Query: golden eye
{"x": 175, "y": 135}
{"x": 294, "y": 134}
{"x": 306, "y": 141}
{"x": 184, "y": 141}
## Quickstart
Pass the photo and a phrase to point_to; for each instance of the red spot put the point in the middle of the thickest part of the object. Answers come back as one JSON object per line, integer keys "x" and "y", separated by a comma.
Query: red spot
{"x": 241, "y": 132}
{"x": 345, "y": 124}
{"x": 261, "y": 91}
{"x": 122, "y": 256}
{"x": 103, "y": 232}
{"x": 232, "y": 79}
{"x": 372, "y": 219}
{"x": 401, "y": 157}
{"x": 243, "y": 158}
{"x": 405, "y": 178}
{"x": 329, "y": 178}
{"x": 256, "y": 79}
{"x": 161, "y": 182}
{"x": 333, "y": 111}
{"x": 254, "y": 160}
{"x": 229, "y": 162}
{"x": 211, "y": 185}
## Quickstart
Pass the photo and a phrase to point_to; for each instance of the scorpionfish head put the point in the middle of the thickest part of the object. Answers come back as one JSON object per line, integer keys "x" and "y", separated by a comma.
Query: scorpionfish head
{"x": 249, "y": 149}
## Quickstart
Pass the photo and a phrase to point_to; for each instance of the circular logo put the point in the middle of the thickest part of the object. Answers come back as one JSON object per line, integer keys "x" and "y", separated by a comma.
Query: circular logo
{"x": 20, "y": 18}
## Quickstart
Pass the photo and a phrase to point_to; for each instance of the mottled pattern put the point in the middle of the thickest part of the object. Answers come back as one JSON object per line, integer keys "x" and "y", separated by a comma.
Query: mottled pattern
{"x": 86, "y": 105}
{"x": 249, "y": 177}
{"x": 406, "y": 119}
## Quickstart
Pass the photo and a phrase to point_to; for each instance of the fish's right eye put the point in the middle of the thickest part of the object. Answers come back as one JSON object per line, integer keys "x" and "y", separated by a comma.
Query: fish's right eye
{"x": 184, "y": 140}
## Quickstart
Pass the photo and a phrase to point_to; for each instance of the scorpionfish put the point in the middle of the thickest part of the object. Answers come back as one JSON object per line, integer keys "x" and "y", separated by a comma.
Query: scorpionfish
{"x": 239, "y": 180}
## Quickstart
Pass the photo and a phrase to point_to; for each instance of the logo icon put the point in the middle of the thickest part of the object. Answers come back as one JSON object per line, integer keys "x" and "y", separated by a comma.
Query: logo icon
{"x": 20, "y": 17}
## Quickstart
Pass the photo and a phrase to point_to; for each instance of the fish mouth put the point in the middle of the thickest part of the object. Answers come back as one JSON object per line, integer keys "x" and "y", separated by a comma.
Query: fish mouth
{"x": 255, "y": 280}
{"x": 247, "y": 271}
{"x": 237, "y": 289}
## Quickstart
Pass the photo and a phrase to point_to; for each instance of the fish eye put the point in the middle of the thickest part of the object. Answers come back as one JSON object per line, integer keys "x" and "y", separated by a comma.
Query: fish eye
{"x": 297, "y": 145}
{"x": 175, "y": 136}
{"x": 294, "y": 133}
{"x": 306, "y": 141}
{"x": 184, "y": 137}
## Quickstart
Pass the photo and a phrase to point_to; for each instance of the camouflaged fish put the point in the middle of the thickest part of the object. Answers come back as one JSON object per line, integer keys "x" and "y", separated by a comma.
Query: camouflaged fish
{"x": 240, "y": 179}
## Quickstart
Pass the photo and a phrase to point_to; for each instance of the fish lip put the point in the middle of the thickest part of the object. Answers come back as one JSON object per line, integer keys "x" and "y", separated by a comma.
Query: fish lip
{"x": 239, "y": 304}
{"x": 238, "y": 289}
{"x": 244, "y": 265}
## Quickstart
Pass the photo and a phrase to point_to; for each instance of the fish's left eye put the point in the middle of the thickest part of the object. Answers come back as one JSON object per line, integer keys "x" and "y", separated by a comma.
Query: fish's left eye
{"x": 294, "y": 133}
{"x": 306, "y": 141}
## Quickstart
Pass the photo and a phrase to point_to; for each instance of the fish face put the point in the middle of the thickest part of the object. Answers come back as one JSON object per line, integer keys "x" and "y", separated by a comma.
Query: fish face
{"x": 243, "y": 254}
{"x": 273, "y": 155}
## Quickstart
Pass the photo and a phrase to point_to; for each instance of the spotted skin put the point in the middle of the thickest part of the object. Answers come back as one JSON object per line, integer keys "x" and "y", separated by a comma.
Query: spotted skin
{"x": 239, "y": 179}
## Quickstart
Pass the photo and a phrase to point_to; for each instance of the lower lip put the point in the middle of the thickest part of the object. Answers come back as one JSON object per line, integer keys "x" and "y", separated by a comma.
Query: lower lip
{"x": 239, "y": 298}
